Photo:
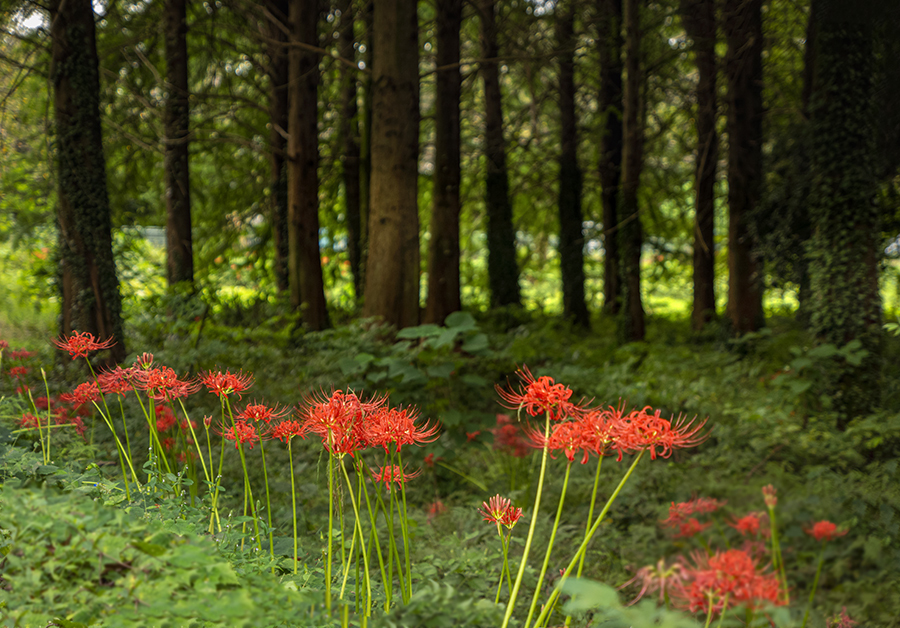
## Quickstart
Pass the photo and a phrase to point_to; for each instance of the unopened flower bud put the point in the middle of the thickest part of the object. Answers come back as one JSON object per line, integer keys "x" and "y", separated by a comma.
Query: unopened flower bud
{"x": 770, "y": 495}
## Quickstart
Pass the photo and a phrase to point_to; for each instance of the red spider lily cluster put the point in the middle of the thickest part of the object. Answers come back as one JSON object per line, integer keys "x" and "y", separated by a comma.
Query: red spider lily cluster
{"x": 389, "y": 474}
{"x": 659, "y": 578}
{"x": 681, "y": 516}
{"x": 80, "y": 344}
{"x": 509, "y": 439}
{"x": 499, "y": 510}
{"x": 824, "y": 531}
{"x": 730, "y": 578}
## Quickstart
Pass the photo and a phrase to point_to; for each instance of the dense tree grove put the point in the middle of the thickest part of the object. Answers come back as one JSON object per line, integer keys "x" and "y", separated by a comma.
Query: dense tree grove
{"x": 404, "y": 160}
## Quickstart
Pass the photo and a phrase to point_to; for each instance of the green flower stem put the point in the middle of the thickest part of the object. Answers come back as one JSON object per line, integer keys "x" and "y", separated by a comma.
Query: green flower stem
{"x": 812, "y": 594}
{"x": 359, "y": 530}
{"x": 330, "y": 532}
{"x": 505, "y": 570}
{"x": 197, "y": 442}
{"x": 511, "y": 605}
{"x": 293, "y": 500}
{"x": 151, "y": 424}
{"x": 347, "y": 565}
{"x": 587, "y": 539}
{"x": 587, "y": 525}
{"x": 777, "y": 561}
{"x": 404, "y": 522}
{"x": 214, "y": 515}
{"x": 540, "y": 580}
{"x": 120, "y": 450}
{"x": 722, "y": 614}
{"x": 125, "y": 427}
{"x": 247, "y": 487}
{"x": 709, "y": 612}
{"x": 49, "y": 418}
{"x": 394, "y": 503}
{"x": 262, "y": 451}
{"x": 373, "y": 532}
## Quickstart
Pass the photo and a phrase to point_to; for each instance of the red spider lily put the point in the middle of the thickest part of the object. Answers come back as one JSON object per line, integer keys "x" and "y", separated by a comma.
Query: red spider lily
{"x": 42, "y": 403}
{"x": 21, "y": 354}
{"x": 162, "y": 384}
{"x": 79, "y": 344}
{"x": 339, "y": 421}
{"x": 257, "y": 412}
{"x": 144, "y": 361}
{"x": 747, "y": 525}
{"x": 184, "y": 427}
{"x": 842, "y": 621}
{"x": 730, "y": 575}
{"x": 31, "y": 422}
{"x": 691, "y": 527}
{"x": 500, "y": 510}
{"x": 165, "y": 418}
{"x": 207, "y": 421}
{"x": 658, "y": 577}
{"x": 642, "y": 431}
{"x": 18, "y": 371}
{"x": 824, "y": 531}
{"x": 397, "y": 427}
{"x": 3, "y": 345}
{"x": 770, "y": 495}
{"x": 599, "y": 428}
{"x": 567, "y": 437}
{"x": 679, "y": 512}
{"x": 429, "y": 461}
{"x": 115, "y": 382}
{"x": 470, "y": 436}
{"x": 227, "y": 383}
{"x": 168, "y": 443}
{"x": 508, "y": 437}
{"x": 539, "y": 396}
{"x": 83, "y": 394}
{"x": 286, "y": 430}
{"x": 241, "y": 432}
{"x": 435, "y": 509}
{"x": 393, "y": 473}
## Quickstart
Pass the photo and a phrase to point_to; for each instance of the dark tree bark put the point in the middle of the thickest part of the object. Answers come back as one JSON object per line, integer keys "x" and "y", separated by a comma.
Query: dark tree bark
{"x": 571, "y": 233}
{"x": 699, "y": 18}
{"x": 609, "y": 23}
{"x": 443, "y": 252}
{"x": 87, "y": 273}
{"x": 503, "y": 269}
{"x": 277, "y": 28}
{"x": 305, "y": 263}
{"x": 349, "y": 132}
{"x": 845, "y": 246}
{"x": 179, "y": 243}
{"x": 365, "y": 140}
{"x": 630, "y": 233}
{"x": 742, "y": 22}
{"x": 392, "y": 272}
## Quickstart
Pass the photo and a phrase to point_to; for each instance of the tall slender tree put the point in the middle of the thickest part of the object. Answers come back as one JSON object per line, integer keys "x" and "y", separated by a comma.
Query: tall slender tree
{"x": 571, "y": 232}
{"x": 630, "y": 233}
{"x": 609, "y": 102}
{"x": 88, "y": 282}
{"x": 503, "y": 269}
{"x": 443, "y": 251}
{"x": 742, "y": 23}
{"x": 392, "y": 267}
{"x": 278, "y": 31}
{"x": 845, "y": 245}
{"x": 699, "y": 19}
{"x": 179, "y": 241}
{"x": 305, "y": 263}
{"x": 365, "y": 136}
{"x": 349, "y": 132}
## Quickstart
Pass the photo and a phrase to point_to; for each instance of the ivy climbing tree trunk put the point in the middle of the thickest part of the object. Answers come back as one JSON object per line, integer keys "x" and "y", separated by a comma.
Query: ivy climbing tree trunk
{"x": 503, "y": 269}
{"x": 609, "y": 26}
{"x": 699, "y": 19}
{"x": 443, "y": 250}
{"x": 87, "y": 272}
{"x": 392, "y": 271}
{"x": 571, "y": 233}
{"x": 304, "y": 261}
{"x": 278, "y": 32}
{"x": 630, "y": 234}
{"x": 845, "y": 246}
{"x": 179, "y": 242}
{"x": 349, "y": 132}
{"x": 742, "y": 22}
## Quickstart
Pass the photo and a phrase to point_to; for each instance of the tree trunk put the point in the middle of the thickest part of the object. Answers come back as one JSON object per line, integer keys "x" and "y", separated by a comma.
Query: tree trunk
{"x": 179, "y": 245}
{"x": 742, "y": 21}
{"x": 392, "y": 272}
{"x": 305, "y": 264}
{"x": 699, "y": 18}
{"x": 503, "y": 270}
{"x": 365, "y": 142}
{"x": 609, "y": 21}
{"x": 630, "y": 233}
{"x": 349, "y": 132}
{"x": 845, "y": 246}
{"x": 443, "y": 251}
{"x": 87, "y": 271}
{"x": 277, "y": 29}
{"x": 571, "y": 234}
